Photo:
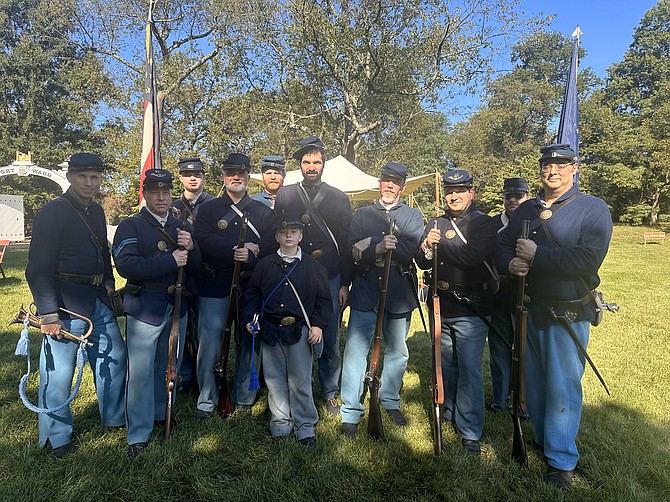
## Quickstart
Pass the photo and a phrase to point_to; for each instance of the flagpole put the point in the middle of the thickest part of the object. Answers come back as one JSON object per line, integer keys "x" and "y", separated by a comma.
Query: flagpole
{"x": 151, "y": 134}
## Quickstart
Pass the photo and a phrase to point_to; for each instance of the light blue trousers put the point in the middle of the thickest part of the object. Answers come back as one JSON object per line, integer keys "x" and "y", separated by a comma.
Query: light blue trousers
{"x": 330, "y": 362}
{"x": 395, "y": 356}
{"x": 462, "y": 341}
{"x": 288, "y": 375}
{"x": 148, "y": 349}
{"x": 554, "y": 370}
{"x": 107, "y": 358}
{"x": 211, "y": 324}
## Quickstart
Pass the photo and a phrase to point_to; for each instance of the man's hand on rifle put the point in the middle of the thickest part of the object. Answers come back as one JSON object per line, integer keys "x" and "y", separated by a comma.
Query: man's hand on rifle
{"x": 525, "y": 249}
{"x": 387, "y": 243}
{"x": 253, "y": 247}
{"x": 433, "y": 237}
{"x": 180, "y": 256}
{"x": 315, "y": 335}
{"x": 518, "y": 267}
{"x": 184, "y": 240}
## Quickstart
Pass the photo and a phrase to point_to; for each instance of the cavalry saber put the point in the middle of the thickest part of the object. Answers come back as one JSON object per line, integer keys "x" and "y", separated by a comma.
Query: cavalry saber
{"x": 563, "y": 319}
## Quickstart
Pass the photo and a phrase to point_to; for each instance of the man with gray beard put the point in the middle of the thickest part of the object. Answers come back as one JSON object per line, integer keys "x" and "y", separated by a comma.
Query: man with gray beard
{"x": 217, "y": 230}
{"x": 369, "y": 240}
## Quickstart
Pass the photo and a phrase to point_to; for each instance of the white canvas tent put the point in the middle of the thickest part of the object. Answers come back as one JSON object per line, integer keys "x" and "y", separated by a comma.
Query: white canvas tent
{"x": 342, "y": 174}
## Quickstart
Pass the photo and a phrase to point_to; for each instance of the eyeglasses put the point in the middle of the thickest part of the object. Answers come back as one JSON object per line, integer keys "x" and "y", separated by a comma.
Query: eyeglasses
{"x": 545, "y": 168}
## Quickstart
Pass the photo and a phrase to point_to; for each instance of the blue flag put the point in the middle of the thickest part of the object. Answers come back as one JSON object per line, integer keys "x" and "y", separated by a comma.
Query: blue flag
{"x": 568, "y": 126}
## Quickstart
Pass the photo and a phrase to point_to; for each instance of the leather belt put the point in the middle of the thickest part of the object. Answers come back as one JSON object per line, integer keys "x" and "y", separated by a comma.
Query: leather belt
{"x": 282, "y": 321}
{"x": 560, "y": 304}
{"x": 462, "y": 288}
{"x": 91, "y": 280}
{"x": 153, "y": 287}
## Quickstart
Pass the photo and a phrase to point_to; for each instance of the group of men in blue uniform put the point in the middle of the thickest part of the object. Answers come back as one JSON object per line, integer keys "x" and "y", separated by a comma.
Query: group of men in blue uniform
{"x": 328, "y": 257}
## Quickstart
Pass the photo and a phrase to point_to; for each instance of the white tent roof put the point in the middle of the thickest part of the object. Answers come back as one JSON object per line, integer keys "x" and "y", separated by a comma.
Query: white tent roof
{"x": 342, "y": 174}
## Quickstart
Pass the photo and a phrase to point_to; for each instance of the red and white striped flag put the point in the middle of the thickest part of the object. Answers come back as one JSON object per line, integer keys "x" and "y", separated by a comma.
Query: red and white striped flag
{"x": 151, "y": 136}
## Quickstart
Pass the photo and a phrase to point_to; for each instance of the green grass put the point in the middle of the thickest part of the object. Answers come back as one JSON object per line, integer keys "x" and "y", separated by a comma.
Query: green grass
{"x": 624, "y": 439}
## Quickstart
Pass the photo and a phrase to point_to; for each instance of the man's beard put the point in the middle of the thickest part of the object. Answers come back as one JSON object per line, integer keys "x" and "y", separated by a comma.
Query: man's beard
{"x": 236, "y": 188}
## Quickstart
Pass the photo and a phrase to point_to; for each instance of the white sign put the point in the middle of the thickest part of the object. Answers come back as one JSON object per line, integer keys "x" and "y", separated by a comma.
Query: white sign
{"x": 11, "y": 217}
{"x": 27, "y": 168}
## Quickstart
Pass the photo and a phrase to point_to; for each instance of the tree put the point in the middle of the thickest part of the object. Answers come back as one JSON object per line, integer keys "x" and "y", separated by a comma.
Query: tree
{"x": 636, "y": 100}
{"x": 50, "y": 95}
{"x": 347, "y": 69}
{"x": 519, "y": 111}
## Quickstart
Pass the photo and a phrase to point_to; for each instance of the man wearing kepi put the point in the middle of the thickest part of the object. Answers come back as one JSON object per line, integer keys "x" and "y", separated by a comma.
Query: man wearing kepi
{"x": 569, "y": 237}
{"x": 69, "y": 267}
{"x": 287, "y": 305}
{"x": 326, "y": 214}
{"x": 466, "y": 239}
{"x": 515, "y": 191}
{"x": 148, "y": 250}
{"x": 217, "y": 231}
{"x": 370, "y": 240}
{"x": 273, "y": 169}
{"x": 192, "y": 177}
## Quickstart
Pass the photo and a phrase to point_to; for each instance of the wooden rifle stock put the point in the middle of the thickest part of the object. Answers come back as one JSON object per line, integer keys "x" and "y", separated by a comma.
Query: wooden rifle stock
{"x": 171, "y": 373}
{"x": 518, "y": 380}
{"x": 225, "y": 405}
{"x": 437, "y": 383}
{"x": 375, "y": 427}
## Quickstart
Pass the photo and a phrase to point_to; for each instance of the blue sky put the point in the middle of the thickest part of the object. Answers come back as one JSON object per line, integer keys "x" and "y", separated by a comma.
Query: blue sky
{"x": 607, "y": 25}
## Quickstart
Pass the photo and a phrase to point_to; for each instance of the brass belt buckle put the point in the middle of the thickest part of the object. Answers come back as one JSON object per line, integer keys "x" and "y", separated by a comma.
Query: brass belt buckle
{"x": 443, "y": 285}
{"x": 287, "y": 321}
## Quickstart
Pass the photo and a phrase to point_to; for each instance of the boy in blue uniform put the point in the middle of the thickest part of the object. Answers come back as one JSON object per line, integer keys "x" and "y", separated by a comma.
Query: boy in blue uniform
{"x": 217, "y": 231}
{"x": 569, "y": 237}
{"x": 149, "y": 248}
{"x": 369, "y": 240}
{"x": 288, "y": 302}
{"x": 326, "y": 214}
{"x": 465, "y": 239}
{"x": 69, "y": 267}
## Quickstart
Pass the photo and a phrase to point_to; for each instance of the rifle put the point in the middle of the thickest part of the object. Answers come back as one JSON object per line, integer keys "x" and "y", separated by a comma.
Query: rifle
{"x": 518, "y": 380}
{"x": 225, "y": 405}
{"x": 435, "y": 333}
{"x": 375, "y": 428}
{"x": 171, "y": 372}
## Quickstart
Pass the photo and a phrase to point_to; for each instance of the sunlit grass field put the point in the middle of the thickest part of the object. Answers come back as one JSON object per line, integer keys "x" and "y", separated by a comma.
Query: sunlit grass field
{"x": 624, "y": 439}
